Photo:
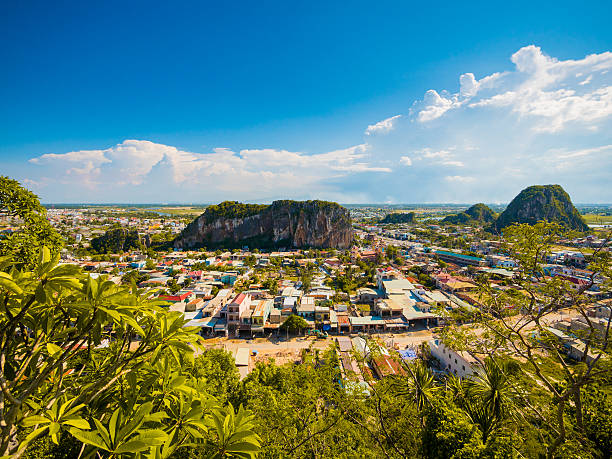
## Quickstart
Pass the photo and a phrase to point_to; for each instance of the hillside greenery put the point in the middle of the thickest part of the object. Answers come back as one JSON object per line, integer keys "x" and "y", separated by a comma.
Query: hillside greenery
{"x": 478, "y": 214}
{"x": 536, "y": 203}
{"x": 118, "y": 240}
{"x": 399, "y": 217}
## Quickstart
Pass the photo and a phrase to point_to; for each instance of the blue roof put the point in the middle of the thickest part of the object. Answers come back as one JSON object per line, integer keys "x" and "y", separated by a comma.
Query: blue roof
{"x": 408, "y": 354}
{"x": 458, "y": 255}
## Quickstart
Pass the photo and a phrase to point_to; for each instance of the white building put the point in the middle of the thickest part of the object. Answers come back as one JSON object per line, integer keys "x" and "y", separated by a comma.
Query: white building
{"x": 458, "y": 363}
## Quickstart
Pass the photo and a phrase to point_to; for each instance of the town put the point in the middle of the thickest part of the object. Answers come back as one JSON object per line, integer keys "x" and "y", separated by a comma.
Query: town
{"x": 396, "y": 285}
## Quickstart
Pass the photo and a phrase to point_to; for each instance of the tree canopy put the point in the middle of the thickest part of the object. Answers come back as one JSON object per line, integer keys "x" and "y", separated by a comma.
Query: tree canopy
{"x": 33, "y": 230}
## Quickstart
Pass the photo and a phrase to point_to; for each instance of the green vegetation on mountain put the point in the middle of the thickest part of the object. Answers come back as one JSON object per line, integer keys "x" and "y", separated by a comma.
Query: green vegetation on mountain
{"x": 399, "y": 217}
{"x": 29, "y": 227}
{"x": 119, "y": 240}
{"x": 536, "y": 203}
{"x": 478, "y": 214}
{"x": 231, "y": 209}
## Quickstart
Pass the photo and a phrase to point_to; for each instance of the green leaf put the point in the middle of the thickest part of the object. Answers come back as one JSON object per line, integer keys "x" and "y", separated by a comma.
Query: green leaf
{"x": 35, "y": 433}
{"x": 78, "y": 423}
{"x": 33, "y": 420}
{"x": 243, "y": 447}
{"x": 112, "y": 425}
{"x": 40, "y": 294}
{"x": 176, "y": 382}
{"x": 45, "y": 255}
{"x": 8, "y": 284}
{"x": 89, "y": 438}
{"x": 53, "y": 349}
{"x": 132, "y": 446}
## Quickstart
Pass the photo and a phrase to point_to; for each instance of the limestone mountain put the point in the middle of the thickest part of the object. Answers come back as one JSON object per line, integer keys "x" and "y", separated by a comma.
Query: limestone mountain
{"x": 542, "y": 202}
{"x": 399, "y": 217}
{"x": 298, "y": 224}
{"x": 478, "y": 214}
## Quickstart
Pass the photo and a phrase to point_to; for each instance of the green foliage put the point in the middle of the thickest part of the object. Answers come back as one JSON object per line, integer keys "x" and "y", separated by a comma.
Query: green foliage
{"x": 118, "y": 240}
{"x": 271, "y": 284}
{"x": 598, "y": 418}
{"x": 399, "y": 217}
{"x": 548, "y": 203}
{"x": 102, "y": 364}
{"x": 513, "y": 324}
{"x": 294, "y": 324}
{"x": 34, "y": 229}
{"x": 230, "y": 210}
{"x": 478, "y": 214}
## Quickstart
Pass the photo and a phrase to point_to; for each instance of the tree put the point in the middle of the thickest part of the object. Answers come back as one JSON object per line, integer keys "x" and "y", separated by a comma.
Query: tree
{"x": 85, "y": 360}
{"x": 513, "y": 324}
{"x": 35, "y": 230}
{"x": 150, "y": 264}
{"x": 294, "y": 323}
{"x": 173, "y": 286}
{"x": 272, "y": 285}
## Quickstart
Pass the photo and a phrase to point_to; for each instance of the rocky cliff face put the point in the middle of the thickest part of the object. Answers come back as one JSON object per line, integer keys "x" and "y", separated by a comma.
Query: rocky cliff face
{"x": 295, "y": 224}
{"x": 542, "y": 202}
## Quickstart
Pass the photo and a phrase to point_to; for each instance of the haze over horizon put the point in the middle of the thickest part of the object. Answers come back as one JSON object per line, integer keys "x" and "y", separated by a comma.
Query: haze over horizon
{"x": 385, "y": 103}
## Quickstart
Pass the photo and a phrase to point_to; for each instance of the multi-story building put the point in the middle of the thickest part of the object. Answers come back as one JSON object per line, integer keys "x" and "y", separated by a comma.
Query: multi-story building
{"x": 236, "y": 309}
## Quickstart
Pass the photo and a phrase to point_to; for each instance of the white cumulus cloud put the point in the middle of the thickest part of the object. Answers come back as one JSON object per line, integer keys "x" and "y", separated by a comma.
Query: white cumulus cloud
{"x": 248, "y": 174}
{"x": 383, "y": 126}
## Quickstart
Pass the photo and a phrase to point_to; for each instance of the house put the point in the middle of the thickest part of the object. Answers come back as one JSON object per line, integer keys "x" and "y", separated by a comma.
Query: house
{"x": 229, "y": 278}
{"x": 386, "y": 274}
{"x": 367, "y": 295}
{"x": 260, "y": 315}
{"x": 306, "y": 308}
{"x": 180, "y": 297}
{"x": 397, "y": 287}
{"x": 459, "y": 363}
{"x": 236, "y": 309}
{"x": 214, "y": 306}
{"x": 390, "y": 307}
{"x": 321, "y": 293}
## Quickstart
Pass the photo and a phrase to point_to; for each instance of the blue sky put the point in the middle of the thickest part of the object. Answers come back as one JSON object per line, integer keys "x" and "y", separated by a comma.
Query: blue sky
{"x": 387, "y": 102}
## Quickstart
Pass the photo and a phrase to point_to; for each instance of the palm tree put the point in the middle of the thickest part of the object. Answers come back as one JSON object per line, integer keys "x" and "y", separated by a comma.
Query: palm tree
{"x": 419, "y": 386}
{"x": 489, "y": 398}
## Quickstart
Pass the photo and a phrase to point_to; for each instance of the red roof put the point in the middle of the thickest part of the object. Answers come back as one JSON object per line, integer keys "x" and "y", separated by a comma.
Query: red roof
{"x": 175, "y": 298}
{"x": 239, "y": 299}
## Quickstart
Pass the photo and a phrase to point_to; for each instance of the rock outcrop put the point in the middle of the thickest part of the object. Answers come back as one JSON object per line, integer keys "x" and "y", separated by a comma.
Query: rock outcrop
{"x": 399, "y": 217}
{"x": 119, "y": 240}
{"x": 542, "y": 202}
{"x": 478, "y": 214}
{"x": 290, "y": 224}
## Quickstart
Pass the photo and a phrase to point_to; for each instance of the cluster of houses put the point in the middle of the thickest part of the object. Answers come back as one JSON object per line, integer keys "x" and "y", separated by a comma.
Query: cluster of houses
{"x": 397, "y": 304}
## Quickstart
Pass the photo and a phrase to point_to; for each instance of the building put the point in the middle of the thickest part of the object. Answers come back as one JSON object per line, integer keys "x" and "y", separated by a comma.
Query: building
{"x": 260, "y": 315}
{"x": 236, "y": 309}
{"x": 459, "y": 259}
{"x": 458, "y": 363}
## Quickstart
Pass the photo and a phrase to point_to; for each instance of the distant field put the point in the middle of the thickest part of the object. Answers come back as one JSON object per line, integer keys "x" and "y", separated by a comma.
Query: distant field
{"x": 180, "y": 210}
{"x": 594, "y": 219}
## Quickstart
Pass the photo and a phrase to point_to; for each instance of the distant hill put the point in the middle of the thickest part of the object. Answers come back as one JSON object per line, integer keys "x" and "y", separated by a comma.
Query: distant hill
{"x": 118, "y": 240}
{"x": 283, "y": 223}
{"x": 399, "y": 217}
{"x": 542, "y": 202}
{"x": 478, "y": 214}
